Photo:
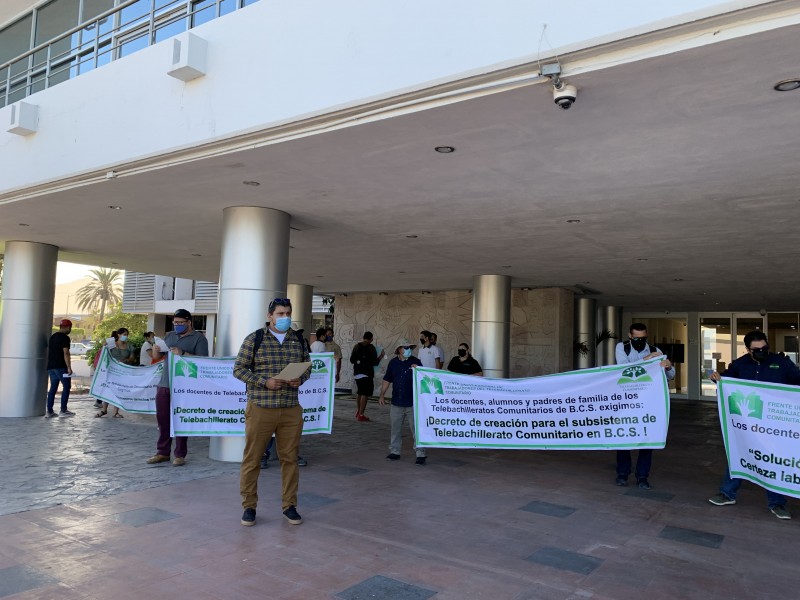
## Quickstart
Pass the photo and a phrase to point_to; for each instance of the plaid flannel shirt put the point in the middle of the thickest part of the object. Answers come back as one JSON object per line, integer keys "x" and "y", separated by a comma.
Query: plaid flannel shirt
{"x": 272, "y": 357}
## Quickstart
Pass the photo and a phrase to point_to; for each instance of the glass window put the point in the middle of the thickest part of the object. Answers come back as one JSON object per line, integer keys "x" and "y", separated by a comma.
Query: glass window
{"x": 15, "y": 40}
{"x": 92, "y": 8}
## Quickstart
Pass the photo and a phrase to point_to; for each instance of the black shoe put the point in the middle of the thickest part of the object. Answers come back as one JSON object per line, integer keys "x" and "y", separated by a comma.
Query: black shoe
{"x": 292, "y": 516}
{"x": 643, "y": 484}
{"x": 421, "y": 460}
{"x": 249, "y": 517}
{"x": 393, "y": 456}
{"x": 98, "y": 404}
{"x": 621, "y": 481}
{"x": 301, "y": 462}
{"x": 265, "y": 462}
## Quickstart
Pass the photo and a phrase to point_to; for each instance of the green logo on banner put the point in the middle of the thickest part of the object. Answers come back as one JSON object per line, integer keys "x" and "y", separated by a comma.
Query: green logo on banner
{"x": 747, "y": 406}
{"x": 431, "y": 385}
{"x": 634, "y": 375}
{"x": 318, "y": 366}
{"x": 184, "y": 368}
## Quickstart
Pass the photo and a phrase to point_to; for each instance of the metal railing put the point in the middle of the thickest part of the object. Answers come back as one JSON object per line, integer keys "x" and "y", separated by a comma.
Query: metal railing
{"x": 111, "y": 35}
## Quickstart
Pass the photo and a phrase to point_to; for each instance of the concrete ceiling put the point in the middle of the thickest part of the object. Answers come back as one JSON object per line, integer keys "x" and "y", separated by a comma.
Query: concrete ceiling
{"x": 682, "y": 171}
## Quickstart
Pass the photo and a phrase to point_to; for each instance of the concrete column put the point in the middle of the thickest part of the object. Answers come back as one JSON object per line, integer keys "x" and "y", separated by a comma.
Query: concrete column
{"x": 211, "y": 334}
{"x": 694, "y": 357}
{"x": 253, "y": 271}
{"x": 585, "y": 331}
{"x": 491, "y": 323}
{"x": 609, "y": 317}
{"x": 26, "y": 318}
{"x": 302, "y": 298}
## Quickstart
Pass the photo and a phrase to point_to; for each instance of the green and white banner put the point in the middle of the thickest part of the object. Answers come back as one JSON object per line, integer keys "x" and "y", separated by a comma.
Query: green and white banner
{"x": 607, "y": 408}
{"x": 207, "y": 400}
{"x": 130, "y": 388}
{"x": 761, "y": 428}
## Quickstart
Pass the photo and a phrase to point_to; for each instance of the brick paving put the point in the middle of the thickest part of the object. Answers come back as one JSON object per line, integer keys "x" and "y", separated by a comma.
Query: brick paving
{"x": 85, "y": 517}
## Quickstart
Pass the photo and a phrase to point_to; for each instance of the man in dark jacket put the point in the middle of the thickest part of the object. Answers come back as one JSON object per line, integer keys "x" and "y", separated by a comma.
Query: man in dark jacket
{"x": 759, "y": 364}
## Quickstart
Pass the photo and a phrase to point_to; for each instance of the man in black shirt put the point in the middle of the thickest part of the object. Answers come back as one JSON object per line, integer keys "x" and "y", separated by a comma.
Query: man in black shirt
{"x": 364, "y": 358}
{"x": 464, "y": 363}
{"x": 59, "y": 369}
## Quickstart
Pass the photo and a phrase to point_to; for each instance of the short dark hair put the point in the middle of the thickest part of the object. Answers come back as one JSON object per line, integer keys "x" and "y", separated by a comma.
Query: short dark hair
{"x": 367, "y": 335}
{"x": 279, "y": 302}
{"x": 182, "y": 313}
{"x": 122, "y": 330}
{"x": 465, "y": 344}
{"x": 637, "y": 327}
{"x": 320, "y": 332}
{"x": 425, "y": 333}
{"x": 147, "y": 334}
{"x": 754, "y": 336}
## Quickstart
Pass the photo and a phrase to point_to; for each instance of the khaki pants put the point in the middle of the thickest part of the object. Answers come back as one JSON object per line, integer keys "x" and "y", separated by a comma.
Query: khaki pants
{"x": 259, "y": 425}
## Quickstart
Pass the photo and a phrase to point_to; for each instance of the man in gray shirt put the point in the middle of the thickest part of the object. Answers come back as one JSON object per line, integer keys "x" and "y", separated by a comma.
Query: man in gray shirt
{"x": 183, "y": 340}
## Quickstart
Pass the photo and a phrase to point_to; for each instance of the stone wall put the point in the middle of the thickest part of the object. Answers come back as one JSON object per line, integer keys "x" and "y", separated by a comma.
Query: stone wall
{"x": 541, "y": 326}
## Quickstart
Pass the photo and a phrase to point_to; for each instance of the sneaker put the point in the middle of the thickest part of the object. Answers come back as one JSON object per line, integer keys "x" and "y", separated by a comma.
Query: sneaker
{"x": 421, "y": 460}
{"x": 362, "y": 418}
{"x": 66, "y": 413}
{"x": 291, "y": 515}
{"x": 393, "y": 456}
{"x": 265, "y": 462}
{"x": 780, "y": 512}
{"x": 179, "y": 461}
{"x": 249, "y": 517}
{"x": 301, "y": 462}
{"x": 158, "y": 458}
{"x": 621, "y": 481}
{"x": 721, "y": 500}
{"x": 49, "y": 415}
{"x": 98, "y": 404}
{"x": 643, "y": 484}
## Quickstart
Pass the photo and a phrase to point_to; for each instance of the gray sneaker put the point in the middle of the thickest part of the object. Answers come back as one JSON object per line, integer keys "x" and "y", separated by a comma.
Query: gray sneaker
{"x": 49, "y": 415}
{"x": 721, "y": 500}
{"x": 66, "y": 413}
{"x": 780, "y": 512}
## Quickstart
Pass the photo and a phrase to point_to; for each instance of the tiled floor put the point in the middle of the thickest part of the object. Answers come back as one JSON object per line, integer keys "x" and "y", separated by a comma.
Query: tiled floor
{"x": 470, "y": 524}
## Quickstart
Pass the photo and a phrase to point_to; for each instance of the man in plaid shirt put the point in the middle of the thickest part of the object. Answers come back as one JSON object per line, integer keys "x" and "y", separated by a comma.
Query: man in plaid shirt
{"x": 273, "y": 406}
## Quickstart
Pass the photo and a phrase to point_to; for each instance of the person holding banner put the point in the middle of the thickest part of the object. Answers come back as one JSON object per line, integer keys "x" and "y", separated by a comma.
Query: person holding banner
{"x": 183, "y": 340}
{"x": 759, "y": 364}
{"x": 636, "y": 350}
{"x": 273, "y": 407}
{"x": 399, "y": 373}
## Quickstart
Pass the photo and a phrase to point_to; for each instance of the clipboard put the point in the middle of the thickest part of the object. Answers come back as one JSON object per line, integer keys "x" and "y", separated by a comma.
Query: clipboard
{"x": 293, "y": 371}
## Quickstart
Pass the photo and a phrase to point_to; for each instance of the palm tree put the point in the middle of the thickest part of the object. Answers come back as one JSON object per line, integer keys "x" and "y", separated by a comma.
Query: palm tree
{"x": 104, "y": 289}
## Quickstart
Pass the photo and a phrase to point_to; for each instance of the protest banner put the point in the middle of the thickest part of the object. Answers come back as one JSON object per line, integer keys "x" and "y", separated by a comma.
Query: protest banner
{"x": 207, "y": 400}
{"x": 607, "y": 408}
{"x": 761, "y": 428}
{"x": 130, "y": 388}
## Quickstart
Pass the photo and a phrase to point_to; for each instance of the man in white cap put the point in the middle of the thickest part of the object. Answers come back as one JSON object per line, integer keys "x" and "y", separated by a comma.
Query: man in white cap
{"x": 400, "y": 374}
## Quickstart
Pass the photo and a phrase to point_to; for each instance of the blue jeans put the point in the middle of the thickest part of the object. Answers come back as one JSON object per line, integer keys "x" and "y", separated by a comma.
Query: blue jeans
{"x": 56, "y": 377}
{"x": 643, "y": 463}
{"x": 730, "y": 486}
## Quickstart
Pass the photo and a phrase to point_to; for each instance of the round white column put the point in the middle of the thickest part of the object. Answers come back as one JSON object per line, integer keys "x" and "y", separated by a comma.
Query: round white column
{"x": 253, "y": 271}
{"x": 26, "y": 317}
{"x": 302, "y": 300}
{"x": 585, "y": 331}
{"x": 608, "y": 317}
{"x": 491, "y": 323}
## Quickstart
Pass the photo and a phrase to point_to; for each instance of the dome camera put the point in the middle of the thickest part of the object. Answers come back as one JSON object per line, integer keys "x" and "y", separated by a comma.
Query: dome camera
{"x": 762, "y": 312}
{"x": 564, "y": 95}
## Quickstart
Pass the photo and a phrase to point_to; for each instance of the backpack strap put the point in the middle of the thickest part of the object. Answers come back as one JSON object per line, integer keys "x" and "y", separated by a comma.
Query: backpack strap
{"x": 256, "y": 345}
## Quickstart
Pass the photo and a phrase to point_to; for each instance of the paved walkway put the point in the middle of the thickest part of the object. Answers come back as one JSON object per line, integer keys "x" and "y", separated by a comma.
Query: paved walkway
{"x": 85, "y": 517}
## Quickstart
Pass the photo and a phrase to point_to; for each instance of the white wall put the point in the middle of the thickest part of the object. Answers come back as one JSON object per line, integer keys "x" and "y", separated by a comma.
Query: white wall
{"x": 276, "y": 61}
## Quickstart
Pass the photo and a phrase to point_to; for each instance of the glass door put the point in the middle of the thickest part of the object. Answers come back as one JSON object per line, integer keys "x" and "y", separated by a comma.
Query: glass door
{"x": 722, "y": 338}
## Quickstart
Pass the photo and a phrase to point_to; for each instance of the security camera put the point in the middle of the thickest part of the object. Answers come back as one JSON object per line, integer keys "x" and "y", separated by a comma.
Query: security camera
{"x": 762, "y": 312}
{"x": 564, "y": 95}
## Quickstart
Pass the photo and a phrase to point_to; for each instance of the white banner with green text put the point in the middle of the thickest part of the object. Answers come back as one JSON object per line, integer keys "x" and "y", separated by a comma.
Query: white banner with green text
{"x": 761, "y": 428}
{"x": 130, "y": 388}
{"x": 207, "y": 400}
{"x": 607, "y": 408}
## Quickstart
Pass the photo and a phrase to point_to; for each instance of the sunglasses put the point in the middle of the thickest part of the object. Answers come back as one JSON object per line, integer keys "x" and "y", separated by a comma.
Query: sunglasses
{"x": 279, "y": 302}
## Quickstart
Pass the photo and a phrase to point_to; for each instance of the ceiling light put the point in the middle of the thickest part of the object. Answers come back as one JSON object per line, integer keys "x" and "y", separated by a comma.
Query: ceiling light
{"x": 573, "y": 220}
{"x": 506, "y": 267}
{"x": 115, "y": 207}
{"x": 252, "y": 183}
{"x": 401, "y": 272}
{"x": 197, "y": 255}
{"x": 642, "y": 259}
{"x": 787, "y": 85}
{"x": 114, "y": 263}
{"x": 677, "y": 279}
{"x": 24, "y": 225}
{"x": 445, "y": 149}
{"x": 320, "y": 276}
{"x": 412, "y": 237}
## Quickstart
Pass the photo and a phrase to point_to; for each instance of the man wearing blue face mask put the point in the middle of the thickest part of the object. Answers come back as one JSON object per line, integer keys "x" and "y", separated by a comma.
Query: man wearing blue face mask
{"x": 400, "y": 374}
{"x": 182, "y": 340}
{"x": 273, "y": 407}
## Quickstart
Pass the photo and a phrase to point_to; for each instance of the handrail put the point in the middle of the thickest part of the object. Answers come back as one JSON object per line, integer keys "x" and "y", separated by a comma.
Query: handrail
{"x": 102, "y": 46}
